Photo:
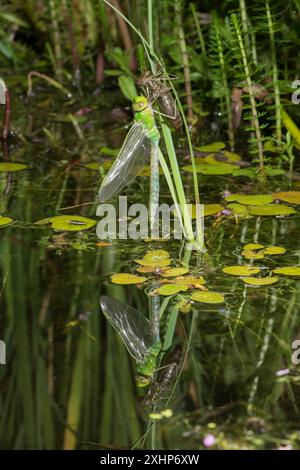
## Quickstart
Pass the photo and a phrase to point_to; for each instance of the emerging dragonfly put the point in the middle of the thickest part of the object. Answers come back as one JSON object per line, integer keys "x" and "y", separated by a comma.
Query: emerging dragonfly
{"x": 139, "y": 334}
{"x": 140, "y": 145}
{"x": 167, "y": 375}
{"x": 157, "y": 90}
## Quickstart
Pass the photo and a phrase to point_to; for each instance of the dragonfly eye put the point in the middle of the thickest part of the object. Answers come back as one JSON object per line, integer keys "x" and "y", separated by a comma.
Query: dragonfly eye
{"x": 139, "y": 103}
{"x": 142, "y": 381}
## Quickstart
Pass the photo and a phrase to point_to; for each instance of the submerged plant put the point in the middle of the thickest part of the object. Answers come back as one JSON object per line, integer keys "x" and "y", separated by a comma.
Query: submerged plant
{"x": 246, "y": 75}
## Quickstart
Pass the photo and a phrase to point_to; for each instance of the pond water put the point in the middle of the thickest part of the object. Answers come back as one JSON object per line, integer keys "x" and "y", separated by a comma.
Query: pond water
{"x": 69, "y": 381}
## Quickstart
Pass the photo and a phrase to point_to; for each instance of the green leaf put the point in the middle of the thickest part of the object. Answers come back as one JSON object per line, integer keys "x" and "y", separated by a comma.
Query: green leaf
{"x": 5, "y": 221}
{"x": 216, "y": 169}
{"x": 127, "y": 87}
{"x": 240, "y": 270}
{"x": 272, "y": 210}
{"x": 214, "y": 147}
{"x": 171, "y": 289}
{"x": 11, "y": 167}
{"x": 173, "y": 272}
{"x": 293, "y": 197}
{"x": 70, "y": 223}
{"x": 251, "y": 200}
{"x": 124, "y": 279}
{"x": 293, "y": 271}
{"x": 208, "y": 297}
{"x": 262, "y": 281}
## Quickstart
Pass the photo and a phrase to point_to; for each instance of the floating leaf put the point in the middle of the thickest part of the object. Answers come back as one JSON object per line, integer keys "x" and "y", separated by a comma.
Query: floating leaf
{"x": 293, "y": 197}
{"x": 156, "y": 255}
{"x": 274, "y": 250}
{"x": 253, "y": 246}
{"x": 148, "y": 269}
{"x": 11, "y": 167}
{"x": 252, "y": 200}
{"x": 288, "y": 271}
{"x": 217, "y": 169}
{"x": 215, "y": 147}
{"x": 247, "y": 172}
{"x": 173, "y": 272}
{"x": 248, "y": 254}
{"x": 71, "y": 223}
{"x": 260, "y": 281}
{"x": 171, "y": 289}
{"x": 240, "y": 270}
{"x": 159, "y": 263}
{"x": 252, "y": 172}
{"x": 208, "y": 297}
{"x": 190, "y": 281}
{"x": 5, "y": 221}
{"x": 231, "y": 156}
{"x": 124, "y": 278}
{"x": 238, "y": 209}
{"x": 209, "y": 209}
{"x": 272, "y": 210}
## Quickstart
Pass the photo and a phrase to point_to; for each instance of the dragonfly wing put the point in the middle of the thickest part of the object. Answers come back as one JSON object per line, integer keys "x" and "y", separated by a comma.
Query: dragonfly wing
{"x": 133, "y": 156}
{"x": 133, "y": 327}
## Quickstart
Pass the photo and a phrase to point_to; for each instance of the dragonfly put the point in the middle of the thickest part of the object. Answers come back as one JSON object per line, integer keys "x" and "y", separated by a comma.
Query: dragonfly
{"x": 167, "y": 375}
{"x": 158, "y": 91}
{"x": 140, "y": 146}
{"x": 139, "y": 334}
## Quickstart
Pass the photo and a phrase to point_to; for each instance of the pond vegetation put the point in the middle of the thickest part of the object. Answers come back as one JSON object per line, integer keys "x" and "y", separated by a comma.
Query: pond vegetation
{"x": 153, "y": 343}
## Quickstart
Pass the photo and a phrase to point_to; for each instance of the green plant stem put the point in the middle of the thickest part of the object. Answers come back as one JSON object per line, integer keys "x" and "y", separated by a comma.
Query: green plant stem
{"x": 185, "y": 59}
{"x": 251, "y": 94}
{"x": 199, "y": 30}
{"x": 226, "y": 90}
{"x": 275, "y": 74}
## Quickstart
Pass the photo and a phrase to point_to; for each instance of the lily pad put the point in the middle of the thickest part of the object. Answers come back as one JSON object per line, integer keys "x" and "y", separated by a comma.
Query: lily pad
{"x": 214, "y": 147}
{"x": 272, "y": 210}
{"x": 72, "y": 223}
{"x": 241, "y": 270}
{"x": 156, "y": 255}
{"x": 174, "y": 272}
{"x": 253, "y": 246}
{"x": 274, "y": 250}
{"x": 5, "y": 221}
{"x": 293, "y": 271}
{"x": 238, "y": 209}
{"x": 124, "y": 278}
{"x": 209, "y": 209}
{"x": 8, "y": 167}
{"x": 260, "y": 281}
{"x": 248, "y": 254}
{"x": 161, "y": 263}
{"x": 293, "y": 197}
{"x": 190, "y": 281}
{"x": 208, "y": 297}
{"x": 252, "y": 200}
{"x": 217, "y": 169}
{"x": 171, "y": 289}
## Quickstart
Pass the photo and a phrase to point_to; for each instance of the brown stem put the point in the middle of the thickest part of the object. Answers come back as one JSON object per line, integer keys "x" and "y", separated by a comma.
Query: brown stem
{"x": 100, "y": 64}
{"x": 185, "y": 60}
{"x": 6, "y": 117}
{"x": 124, "y": 31}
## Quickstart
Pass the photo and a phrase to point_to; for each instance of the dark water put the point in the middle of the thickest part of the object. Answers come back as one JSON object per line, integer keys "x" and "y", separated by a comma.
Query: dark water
{"x": 68, "y": 381}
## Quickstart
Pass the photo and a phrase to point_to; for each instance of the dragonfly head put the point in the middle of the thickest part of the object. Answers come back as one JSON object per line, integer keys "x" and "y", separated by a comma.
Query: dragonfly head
{"x": 142, "y": 381}
{"x": 139, "y": 103}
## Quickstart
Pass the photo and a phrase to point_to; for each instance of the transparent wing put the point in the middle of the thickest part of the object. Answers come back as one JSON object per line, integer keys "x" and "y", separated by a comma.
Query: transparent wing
{"x": 134, "y": 328}
{"x": 133, "y": 156}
